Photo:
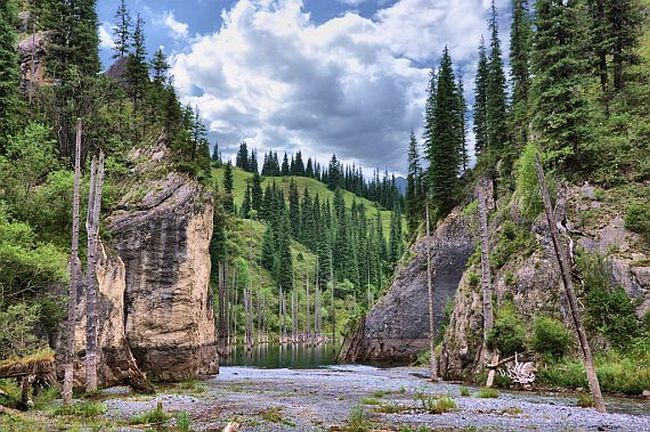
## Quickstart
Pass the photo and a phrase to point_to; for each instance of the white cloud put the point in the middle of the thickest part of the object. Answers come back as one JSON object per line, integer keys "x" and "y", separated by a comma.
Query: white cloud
{"x": 351, "y": 85}
{"x": 178, "y": 30}
{"x": 105, "y": 37}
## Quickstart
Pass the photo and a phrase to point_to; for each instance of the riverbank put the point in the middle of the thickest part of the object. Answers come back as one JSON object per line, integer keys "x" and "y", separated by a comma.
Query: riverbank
{"x": 323, "y": 399}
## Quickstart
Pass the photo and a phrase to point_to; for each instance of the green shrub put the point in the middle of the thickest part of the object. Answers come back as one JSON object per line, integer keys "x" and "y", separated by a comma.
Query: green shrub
{"x": 585, "y": 400}
{"x": 435, "y": 404}
{"x": 512, "y": 240}
{"x": 550, "y": 336}
{"x": 464, "y": 391}
{"x": 81, "y": 409}
{"x": 637, "y": 219}
{"x": 183, "y": 422}
{"x": 17, "y": 323}
{"x": 358, "y": 421}
{"x": 609, "y": 310}
{"x": 508, "y": 334}
{"x": 488, "y": 393}
{"x": 527, "y": 186}
{"x": 155, "y": 416}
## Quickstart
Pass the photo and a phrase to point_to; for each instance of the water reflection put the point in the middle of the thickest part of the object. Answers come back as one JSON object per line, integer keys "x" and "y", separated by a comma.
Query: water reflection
{"x": 274, "y": 355}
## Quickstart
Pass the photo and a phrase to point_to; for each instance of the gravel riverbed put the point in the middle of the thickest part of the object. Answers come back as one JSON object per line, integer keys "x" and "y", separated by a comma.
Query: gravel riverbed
{"x": 321, "y": 400}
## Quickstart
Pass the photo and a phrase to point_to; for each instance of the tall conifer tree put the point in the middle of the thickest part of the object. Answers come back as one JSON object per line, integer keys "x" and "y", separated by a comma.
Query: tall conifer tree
{"x": 9, "y": 73}
{"x": 520, "y": 50}
{"x": 480, "y": 101}
{"x": 496, "y": 90}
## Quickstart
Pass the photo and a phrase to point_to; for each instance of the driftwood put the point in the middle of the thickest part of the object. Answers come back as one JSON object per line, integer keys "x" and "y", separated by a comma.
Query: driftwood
{"x": 565, "y": 270}
{"x": 522, "y": 373}
{"x": 30, "y": 373}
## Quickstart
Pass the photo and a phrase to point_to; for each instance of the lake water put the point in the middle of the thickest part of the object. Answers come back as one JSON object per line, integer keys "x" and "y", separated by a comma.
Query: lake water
{"x": 273, "y": 356}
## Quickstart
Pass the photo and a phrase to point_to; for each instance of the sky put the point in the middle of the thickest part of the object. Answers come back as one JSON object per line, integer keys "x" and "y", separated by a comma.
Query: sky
{"x": 322, "y": 76}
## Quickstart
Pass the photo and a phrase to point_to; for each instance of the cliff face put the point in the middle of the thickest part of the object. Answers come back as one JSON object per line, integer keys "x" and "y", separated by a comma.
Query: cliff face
{"x": 155, "y": 308}
{"x": 531, "y": 281}
{"x": 397, "y": 327}
{"x": 162, "y": 232}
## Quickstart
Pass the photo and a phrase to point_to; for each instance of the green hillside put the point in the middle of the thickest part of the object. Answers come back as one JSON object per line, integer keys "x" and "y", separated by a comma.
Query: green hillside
{"x": 315, "y": 187}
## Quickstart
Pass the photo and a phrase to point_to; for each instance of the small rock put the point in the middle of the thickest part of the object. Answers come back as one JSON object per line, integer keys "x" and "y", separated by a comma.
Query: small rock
{"x": 646, "y": 394}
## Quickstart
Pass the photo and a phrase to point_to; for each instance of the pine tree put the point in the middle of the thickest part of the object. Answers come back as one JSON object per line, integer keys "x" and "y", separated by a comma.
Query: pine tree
{"x": 520, "y": 49}
{"x": 252, "y": 162}
{"x": 242, "y": 160}
{"x": 257, "y": 195}
{"x": 294, "y": 210}
{"x": 622, "y": 35}
{"x": 395, "y": 250}
{"x": 137, "y": 70}
{"x": 299, "y": 166}
{"x": 309, "y": 171}
{"x": 9, "y": 74}
{"x": 122, "y": 31}
{"x": 480, "y": 102}
{"x": 160, "y": 68}
{"x": 429, "y": 120}
{"x": 413, "y": 187}
{"x": 216, "y": 154}
{"x": 559, "y": 110}
{"x": 228, "y": 203}
{"x": 496, "y": 86}
{"x": 246, "y": 204}
{"x": 286, "y": 170}
{"x": 442, "y": 148}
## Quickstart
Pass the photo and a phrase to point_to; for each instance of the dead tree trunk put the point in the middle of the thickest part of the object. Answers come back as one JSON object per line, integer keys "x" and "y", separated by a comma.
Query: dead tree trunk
{"x": 223, "y": 336}
{"x": 74, "y": 276}
{"x": 486, "y": 278}
{"x": 92, "y": 229}
{"x": 565, "y": 270}
{"x": 307, "y": 311}
{"x": 294, "y": 318}
{"x": 432, "y": 328}
{"x": 332, "y": 301}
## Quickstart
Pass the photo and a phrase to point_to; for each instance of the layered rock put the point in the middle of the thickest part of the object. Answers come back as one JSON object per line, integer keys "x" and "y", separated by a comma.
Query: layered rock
{"x": 397, "y": 327}
{"x": 116, "y": 364}
{"x": 162, "y": 232}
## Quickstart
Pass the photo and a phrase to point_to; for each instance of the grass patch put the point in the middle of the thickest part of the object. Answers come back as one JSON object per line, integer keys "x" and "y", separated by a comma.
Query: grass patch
{"x": 81, "y": 409}
{"x": 155, "y": 416}
{"x": 358, "y": 421}
{"x": 436, "y": 404}
{"x": 183, "y": 422}
{"x": 380, "y": 393}
{"x": 585, "y": 400}
{"x": 390, "y": 408}
{"x": 464, "y": 391}
{"x": 488, "y": 393}
{"x": 275, "y": 415}
{"x": 616, "y": 373}
{"x": 512, "y": 411}
{"x": 370, "y": 401}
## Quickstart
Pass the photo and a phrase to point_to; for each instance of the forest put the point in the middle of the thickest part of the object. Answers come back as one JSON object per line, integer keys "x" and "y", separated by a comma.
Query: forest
{"x": 544, "y": 164}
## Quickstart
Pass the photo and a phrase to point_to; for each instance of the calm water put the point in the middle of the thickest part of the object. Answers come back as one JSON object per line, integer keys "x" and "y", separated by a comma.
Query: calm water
{"x": 273, "y": 355}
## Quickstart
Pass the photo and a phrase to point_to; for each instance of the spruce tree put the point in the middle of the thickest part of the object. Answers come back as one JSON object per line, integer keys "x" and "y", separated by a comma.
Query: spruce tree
{"x": 122, "y": 31}
{"x": 299, "y": 166}
{"x": 429, "y": 121}
{"x": 242, "y": 160}
{"x": 9, "y": 74}
{"x": 559, "y": 110}
{"x": 246, "y": 204}
{"x": 413, "y": 187}
{"x": 257, "y": 195}
{"x": 480, "y": 101}
{"x": 294, "y": 210}
{"x": 160, "y": 68}
{"x": 496, "y": 86}
{"x": 228, "y": 202}
{"x": 520, "y": 50}
{"x": 286, "y": 170}
{"x": 309, "y": 171}
{"x": 252, "y": 162}
{"x": 137, "y": 70}
{"x": 216, "y": 154}
{"x": 623, "y": 26}
{"x": 461, "y": 112}
{"x": 442, "y": 149}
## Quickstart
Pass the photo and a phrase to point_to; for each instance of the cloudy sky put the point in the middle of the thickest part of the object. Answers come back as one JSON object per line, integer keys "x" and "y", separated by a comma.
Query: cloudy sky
{"x": 324, "y": 76}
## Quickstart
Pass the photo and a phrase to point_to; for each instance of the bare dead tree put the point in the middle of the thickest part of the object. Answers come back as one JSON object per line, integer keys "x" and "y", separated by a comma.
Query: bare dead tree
{"x": 74, "y": 275}
{"x": 92, "y": 286}
{"x": 223, "y": 332}
{"x": 565, "y": 270}
{"x": 486, "y": 277}
{"x": 307, "y": 307}
{"x": 432, "y": 329}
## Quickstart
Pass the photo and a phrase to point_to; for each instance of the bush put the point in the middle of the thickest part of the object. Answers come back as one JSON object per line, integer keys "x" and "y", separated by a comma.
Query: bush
{"x": 488, "y": 393}
{"x": 436, "y": 404}
{"x": 512, "y": 240}
{"x": 81, "y": 409}
{"x": 637, "y": 219}
{"x": 550, "y": 336}
{"x": 508, "y": 334}
{"x": 16, "y": 330}
{"x": 155, "y": 416}
{"x": 527, "y": 186}
{"x": 464, "y": 391}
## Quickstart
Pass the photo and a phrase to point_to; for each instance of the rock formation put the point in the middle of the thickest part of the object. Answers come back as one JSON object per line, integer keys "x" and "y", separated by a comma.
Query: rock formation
{"x": 397, "y": 327}
{"x": 155, "y": 308}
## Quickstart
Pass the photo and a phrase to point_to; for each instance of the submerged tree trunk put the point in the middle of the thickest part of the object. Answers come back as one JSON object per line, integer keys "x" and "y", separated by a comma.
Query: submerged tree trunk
{"x": 223, "y": 332}
{"x": 307, "y": 311}
{"x": 332, "y": 301}
{"x": 432, "y": 328}
{"x": 565, "y": 270}
{"x": 74, "y": 276}
{"x": 486, "y": 277}
{"x": 92, "y": 229}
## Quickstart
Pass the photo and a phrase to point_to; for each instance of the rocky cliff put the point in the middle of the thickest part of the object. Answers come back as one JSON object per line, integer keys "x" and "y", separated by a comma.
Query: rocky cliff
{"x": 155, "y": 306}
{"x": 524, "y": 273}
{"x": 397, "y": 327}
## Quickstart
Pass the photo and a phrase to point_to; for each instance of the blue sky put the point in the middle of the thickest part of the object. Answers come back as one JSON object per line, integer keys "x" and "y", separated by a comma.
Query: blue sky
{"x": 324, "y": 76}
